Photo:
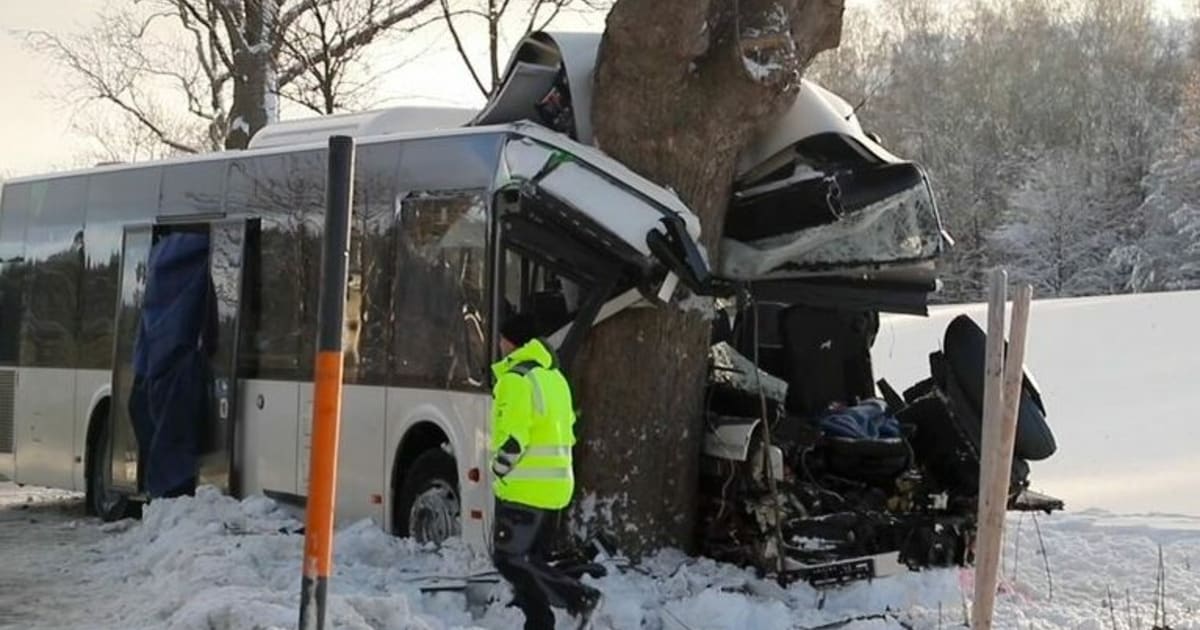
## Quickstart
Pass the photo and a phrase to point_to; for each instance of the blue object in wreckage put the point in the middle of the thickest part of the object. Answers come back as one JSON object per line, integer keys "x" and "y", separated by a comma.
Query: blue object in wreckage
{"x": 868, "y": 420}
{"x": 169, "y": 400}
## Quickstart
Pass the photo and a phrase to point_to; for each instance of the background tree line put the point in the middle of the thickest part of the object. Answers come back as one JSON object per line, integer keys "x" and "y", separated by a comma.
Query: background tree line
{"x": 1062, "y": 137}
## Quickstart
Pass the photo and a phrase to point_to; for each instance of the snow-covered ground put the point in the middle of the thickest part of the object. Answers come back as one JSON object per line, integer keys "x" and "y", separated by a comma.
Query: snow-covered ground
{"x": 1118, "y": 378}
{"x": 212, "y": 562}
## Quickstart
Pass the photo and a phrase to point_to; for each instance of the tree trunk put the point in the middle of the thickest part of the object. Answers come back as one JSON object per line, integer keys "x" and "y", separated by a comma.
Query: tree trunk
{"x": 254, "y": 90}
{"x": 680, "y": 87}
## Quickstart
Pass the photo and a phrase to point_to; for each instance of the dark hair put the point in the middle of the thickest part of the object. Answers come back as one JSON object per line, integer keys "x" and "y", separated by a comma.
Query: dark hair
{"x": 519, "y": 329}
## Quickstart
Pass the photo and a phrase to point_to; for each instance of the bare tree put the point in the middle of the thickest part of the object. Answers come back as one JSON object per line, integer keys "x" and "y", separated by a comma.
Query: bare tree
{"x": 497, "y": 16}
{"x": 680, "y": 86}
{"x": 205, "y": 74}
{"x": 324, "y": 51}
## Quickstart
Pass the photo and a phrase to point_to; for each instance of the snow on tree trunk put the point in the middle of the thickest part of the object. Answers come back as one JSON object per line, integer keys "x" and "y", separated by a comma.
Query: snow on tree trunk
{"x": 680, "y": 86}
{"x": 255, "y": 90}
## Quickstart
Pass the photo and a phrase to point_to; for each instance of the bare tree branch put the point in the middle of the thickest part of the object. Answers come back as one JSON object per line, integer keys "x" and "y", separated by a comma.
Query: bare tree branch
{"x": 149, "y": 124}
{"x": 462, "y": 52}
{"x": 291, "y": 16}
{"x": 116, "y": 91}
{"x": 558, "y": 6}
{"x": 224, "y": 60}
{"x": 187, "y": 8}
{"x": 367, "y": 34}
{"x": 231, "y": 23}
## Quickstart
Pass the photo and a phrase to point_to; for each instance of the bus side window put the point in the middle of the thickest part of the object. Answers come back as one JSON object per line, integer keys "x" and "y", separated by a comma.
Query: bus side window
{"x": 287, "y": 192}
{"x": 369, "y": 307}
{"x": 440, "y": 292}
{"x": 53, "y": 251}
{"x": 14, "y": 211}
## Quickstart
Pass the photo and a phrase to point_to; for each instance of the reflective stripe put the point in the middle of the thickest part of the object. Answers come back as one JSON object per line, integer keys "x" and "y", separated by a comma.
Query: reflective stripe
{"x": 539, "y": 404}
{"x": 547, "y": 451}
{"x": 539, "y": 473}
{"x": 525, "y": 369}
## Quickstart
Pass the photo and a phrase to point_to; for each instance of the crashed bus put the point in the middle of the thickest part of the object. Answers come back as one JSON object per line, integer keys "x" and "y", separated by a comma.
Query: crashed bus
{"x": 812, "y": 467}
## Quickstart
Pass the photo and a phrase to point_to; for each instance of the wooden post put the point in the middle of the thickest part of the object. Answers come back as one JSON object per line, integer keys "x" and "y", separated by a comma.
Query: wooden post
{"x": 988, "y": 538}
{"x": 327, "y": 382}
{"x": 1014, "y": 380}
{"x": 1004, "y": 377}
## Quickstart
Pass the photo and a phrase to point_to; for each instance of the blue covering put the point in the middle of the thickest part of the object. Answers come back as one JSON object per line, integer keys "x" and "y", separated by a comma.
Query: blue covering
{"x": 169, "y": 401}
{"x": 866, "y": 421}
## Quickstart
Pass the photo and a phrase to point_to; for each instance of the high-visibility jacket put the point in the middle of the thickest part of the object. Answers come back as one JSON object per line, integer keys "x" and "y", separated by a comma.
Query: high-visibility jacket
{"x": 533, "y": 420}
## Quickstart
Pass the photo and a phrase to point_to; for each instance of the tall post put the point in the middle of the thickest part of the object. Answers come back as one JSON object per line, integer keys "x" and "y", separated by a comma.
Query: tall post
{"x": 1005, "y": 376}
{"x": 988, "y": 540}
{"x": 327, "y": 381}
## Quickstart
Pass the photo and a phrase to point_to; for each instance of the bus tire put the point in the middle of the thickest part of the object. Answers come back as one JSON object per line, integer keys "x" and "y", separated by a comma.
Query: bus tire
{"x": 99, "y": 499}
{"x": 429, "y": 505}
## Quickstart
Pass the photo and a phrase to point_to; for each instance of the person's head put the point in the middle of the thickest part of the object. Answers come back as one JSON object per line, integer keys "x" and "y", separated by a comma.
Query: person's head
{"x": 515, "y": 332}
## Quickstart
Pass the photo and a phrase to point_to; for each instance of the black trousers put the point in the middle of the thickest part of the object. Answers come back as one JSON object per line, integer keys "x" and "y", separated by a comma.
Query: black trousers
{"x": 521, "y": 537}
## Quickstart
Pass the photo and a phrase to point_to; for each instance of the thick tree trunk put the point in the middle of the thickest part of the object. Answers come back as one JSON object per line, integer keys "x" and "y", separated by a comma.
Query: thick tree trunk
{"x": 254, "y": 89}
{"x": 680, "y": 87}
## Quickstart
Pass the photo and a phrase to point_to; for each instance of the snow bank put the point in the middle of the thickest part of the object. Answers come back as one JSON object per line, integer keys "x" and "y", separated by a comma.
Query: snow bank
{"x": 211, "y": 562}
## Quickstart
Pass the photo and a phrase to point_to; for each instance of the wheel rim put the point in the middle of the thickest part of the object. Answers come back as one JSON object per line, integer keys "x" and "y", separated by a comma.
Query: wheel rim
{"x": 434, "y": 516}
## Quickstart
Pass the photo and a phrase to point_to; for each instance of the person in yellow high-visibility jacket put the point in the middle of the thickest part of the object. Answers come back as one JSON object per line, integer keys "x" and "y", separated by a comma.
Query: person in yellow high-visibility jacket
{"x": 533, "y": 418}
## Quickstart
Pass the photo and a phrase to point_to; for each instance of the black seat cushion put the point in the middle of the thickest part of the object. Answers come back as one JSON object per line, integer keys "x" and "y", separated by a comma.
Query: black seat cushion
{"x": 964, "y": 350}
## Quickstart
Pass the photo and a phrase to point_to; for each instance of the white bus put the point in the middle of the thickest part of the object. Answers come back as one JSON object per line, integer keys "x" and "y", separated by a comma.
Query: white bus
{"x": 457, "y": 218}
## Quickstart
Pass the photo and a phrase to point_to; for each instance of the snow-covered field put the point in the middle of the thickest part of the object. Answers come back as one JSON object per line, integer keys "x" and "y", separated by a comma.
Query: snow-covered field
{"x": 1118, "y": 379}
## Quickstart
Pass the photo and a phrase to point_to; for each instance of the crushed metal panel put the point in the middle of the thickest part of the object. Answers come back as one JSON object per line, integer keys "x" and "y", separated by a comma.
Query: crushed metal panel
{"x": 815, "y": 111}
{"x": 899, "y": 229}
{"x": 664, "y": 198}
{"x": 605, "y": 203}
{"x": 730, "y": 368}
{"x": 524, "y": 85}
{"x": 730, "y": 438}
{"x": 532, "y": 70}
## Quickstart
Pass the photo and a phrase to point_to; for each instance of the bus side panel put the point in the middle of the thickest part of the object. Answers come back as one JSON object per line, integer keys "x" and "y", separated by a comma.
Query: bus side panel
{"x": 269, "y": 411}
{"x": 45, "y": 427}
{"x": 464, "y": 418}
{"x": 360, "y": 451}
{"x": 90, "y": 387}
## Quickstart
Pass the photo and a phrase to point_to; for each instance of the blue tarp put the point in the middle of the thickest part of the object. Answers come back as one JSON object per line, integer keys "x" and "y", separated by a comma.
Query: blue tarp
{"x": 169, "y": 401}
{"x": 868, "y": 420}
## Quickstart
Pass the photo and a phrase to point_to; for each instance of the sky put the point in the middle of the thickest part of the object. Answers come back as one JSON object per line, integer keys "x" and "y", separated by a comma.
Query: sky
{"x": 36, "y": 113}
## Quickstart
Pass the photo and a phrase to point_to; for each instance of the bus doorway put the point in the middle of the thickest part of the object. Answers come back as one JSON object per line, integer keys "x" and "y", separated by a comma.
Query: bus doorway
{"x": 172, "y": 423}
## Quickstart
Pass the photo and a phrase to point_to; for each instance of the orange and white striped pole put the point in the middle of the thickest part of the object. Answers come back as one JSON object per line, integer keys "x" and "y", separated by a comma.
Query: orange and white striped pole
{"x": 327, "y": 386}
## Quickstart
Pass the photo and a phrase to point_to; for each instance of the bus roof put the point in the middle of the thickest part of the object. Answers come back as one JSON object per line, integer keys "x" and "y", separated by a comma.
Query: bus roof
{"x": 362, "y": 124}
{"x": 515, "y": 128}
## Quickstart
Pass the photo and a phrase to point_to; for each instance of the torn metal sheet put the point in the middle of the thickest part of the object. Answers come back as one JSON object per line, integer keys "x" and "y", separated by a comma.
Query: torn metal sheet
{"x": 601, "y": 204}
{"x": 899, "y": 229}
{"x": 732, "y": 369}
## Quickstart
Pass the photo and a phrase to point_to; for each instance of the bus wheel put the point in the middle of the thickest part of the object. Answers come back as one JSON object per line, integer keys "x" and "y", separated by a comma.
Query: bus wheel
{"x": 101, "y": 499}
{"x": 429, "y": 508}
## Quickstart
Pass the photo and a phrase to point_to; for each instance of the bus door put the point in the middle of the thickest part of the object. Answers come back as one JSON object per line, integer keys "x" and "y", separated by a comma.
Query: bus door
{"x": 122, "y": 437}
{"x": 220, "y": 465}
{"x": 175, "y": 358}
